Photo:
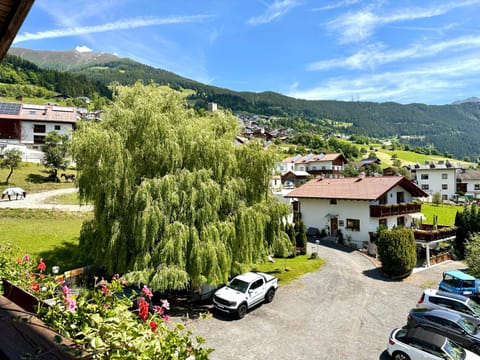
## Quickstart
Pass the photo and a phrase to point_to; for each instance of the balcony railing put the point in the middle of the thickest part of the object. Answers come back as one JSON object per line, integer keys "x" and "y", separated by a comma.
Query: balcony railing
{"x": 430, "y": 233}
{"x": 394, "y": 209}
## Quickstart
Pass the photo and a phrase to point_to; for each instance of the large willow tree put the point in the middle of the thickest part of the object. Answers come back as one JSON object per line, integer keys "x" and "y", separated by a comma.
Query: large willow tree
{"x": 176, "y": 202}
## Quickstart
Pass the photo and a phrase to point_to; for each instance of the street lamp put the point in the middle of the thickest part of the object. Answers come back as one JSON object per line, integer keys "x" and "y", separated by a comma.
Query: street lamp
{"x": 317, "y": 242}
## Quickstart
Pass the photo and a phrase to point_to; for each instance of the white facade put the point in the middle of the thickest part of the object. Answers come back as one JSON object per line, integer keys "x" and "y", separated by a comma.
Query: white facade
{"x": 319, "y": 213}
{"x": 437, "y": 180}
{"x": 30, "y": 129}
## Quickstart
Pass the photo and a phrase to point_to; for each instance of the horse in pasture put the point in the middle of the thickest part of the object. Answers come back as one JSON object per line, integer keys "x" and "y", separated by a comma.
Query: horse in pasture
{"x": 68, "y": 177}
{"x": 18, "y": 192}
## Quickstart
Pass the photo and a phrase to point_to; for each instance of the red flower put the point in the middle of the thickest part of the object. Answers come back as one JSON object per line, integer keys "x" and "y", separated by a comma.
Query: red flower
{"x": 35, "y": 286}
{"x": 153, "y": 326}
{"x": 143, "y": 308}
{"x": 41, "y": 266}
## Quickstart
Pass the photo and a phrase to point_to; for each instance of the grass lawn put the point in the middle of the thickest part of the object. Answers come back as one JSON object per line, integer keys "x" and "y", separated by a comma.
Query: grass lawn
{"x": 287, "y": 270}
{"x": 32, "y": 178}
{"x": 446, "y": 213}
{"x": 65, "y": 199}
{"x": 47, "y": 234}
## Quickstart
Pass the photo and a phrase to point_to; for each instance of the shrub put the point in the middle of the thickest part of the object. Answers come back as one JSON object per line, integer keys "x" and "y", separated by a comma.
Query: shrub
{"x": 472, "y": 255}
{"x": 301, "y": 236}
{"x": 397, "y": 251}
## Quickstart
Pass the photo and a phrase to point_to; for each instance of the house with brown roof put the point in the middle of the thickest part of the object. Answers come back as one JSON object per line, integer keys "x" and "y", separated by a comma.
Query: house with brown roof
{"x": 468, "y": 184}
{"x": 357, "y": 206}
{"x": 327, "y": 165}
{"x": 28, "y": 124}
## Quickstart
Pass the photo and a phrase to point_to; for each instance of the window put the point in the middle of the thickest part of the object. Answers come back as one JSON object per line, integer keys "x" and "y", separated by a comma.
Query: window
{"x": 400, "y": 197}
{"x": 382, "y": 222}
{"x": 38, "y": 139}
{"x": 444, "y": 186}
{"x": 383, "y": 199}
{"x": 444, "y": 176}
{"x": 333, "y": 201}
{"x": 424, "y": 176}
{"x": 353, "y": 224}
{"x": 477, "y": 186}
{"x": 57, "y": 127}
{"x": 424, "y": 186}
{"x": 256, "y": 284}
{"x": 401, "y": 221}
{"x": 38, "y": 128}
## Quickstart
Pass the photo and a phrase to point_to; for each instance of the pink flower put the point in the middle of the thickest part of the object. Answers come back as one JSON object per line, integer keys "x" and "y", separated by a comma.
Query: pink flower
{"x": 41, "y": 266}
{"x": 60, "y": 280}
{"x": 72, "y": 305}
{"x": 104, "y": 290}
{"x": 147, "y": 292}
{"x": 26, "y": 258}
{"x": 165, "y": 304}
{"x": 158, "y": 309}
{"x": 66, "y": 290}
{"x": 153, "y": 326}
{"x": 166, "y": 317}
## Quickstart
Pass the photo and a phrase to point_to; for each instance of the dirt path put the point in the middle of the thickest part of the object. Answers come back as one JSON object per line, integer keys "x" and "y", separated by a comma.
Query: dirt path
{"x": 38, "y": 201}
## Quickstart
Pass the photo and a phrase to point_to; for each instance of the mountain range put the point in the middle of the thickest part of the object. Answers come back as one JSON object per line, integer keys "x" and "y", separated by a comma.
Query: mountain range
{"x": 451, "y": 129}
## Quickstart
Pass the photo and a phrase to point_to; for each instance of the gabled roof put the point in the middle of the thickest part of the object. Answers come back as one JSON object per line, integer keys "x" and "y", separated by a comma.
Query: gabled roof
{"x": 299, "y": 173}
{"x": 469, "y": 175}
{"x": 12, "y": 15}
{"x": 355, "y": 188}
{"x": 299, "y": 159}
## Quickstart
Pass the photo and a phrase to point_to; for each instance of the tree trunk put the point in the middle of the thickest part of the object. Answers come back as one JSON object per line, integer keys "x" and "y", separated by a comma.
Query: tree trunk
{"x": 9, "y": 175}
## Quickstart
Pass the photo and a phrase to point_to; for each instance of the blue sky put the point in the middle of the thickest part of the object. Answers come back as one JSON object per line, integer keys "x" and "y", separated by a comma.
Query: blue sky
{"x": 404, "y": 51}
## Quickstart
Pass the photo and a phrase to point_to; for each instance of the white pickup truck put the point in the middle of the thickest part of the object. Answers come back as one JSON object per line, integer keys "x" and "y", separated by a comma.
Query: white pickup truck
{"x": 245, "y": 291}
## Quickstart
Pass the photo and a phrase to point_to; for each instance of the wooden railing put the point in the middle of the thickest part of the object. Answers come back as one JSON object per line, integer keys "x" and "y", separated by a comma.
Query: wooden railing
{"x": 430, "y": 233}
{"x": 394, "y": 209}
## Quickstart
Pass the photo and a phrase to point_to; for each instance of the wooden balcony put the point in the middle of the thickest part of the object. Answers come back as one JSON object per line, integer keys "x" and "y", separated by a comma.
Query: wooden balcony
{"x": 394, "y": 209}
{"x": 428, "y": 232}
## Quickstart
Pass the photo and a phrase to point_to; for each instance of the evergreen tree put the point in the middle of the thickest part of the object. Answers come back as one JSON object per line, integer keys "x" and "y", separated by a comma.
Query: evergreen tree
{"x": 397, "y": 251}
{"x": 176, "y": 201}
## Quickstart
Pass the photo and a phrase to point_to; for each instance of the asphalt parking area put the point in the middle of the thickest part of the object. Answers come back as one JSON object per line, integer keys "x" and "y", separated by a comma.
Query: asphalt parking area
{"x": 346, "y": 310}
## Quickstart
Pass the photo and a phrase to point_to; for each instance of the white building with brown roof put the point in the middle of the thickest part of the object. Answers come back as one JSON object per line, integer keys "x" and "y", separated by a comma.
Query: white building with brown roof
{"x": 28, "y": 124}
{"x": 357, "y": 206}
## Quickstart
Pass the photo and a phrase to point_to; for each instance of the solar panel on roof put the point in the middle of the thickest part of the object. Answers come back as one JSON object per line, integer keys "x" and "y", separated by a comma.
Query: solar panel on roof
{"x": 33, "y": 107}
{"x": 9, "y": 108}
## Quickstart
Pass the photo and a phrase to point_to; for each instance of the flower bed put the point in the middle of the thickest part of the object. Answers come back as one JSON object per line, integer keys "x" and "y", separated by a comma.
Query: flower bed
{"x": 103, "y": 321}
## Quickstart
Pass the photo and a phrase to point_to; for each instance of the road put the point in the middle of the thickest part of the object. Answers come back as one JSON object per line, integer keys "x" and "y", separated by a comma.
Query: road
{"x": 37, "y": 201}
{"x": 346, "y": 310}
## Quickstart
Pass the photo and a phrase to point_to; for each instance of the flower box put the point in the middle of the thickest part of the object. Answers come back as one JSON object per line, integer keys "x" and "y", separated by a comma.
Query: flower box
{"x": 20, "y": 297}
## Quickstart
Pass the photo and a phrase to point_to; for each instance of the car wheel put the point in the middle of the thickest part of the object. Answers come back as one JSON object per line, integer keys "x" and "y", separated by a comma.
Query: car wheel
{"x": 270, "y": 295}
{"x": 242, "y": 311}
{"x": 398, "y": 355}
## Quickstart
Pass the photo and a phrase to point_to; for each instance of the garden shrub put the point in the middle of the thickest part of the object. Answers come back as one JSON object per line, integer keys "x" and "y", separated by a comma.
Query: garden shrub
{"x": 301, "y": 236}
{"x": 397, "y": 251}
{"x": 472, "y": 255}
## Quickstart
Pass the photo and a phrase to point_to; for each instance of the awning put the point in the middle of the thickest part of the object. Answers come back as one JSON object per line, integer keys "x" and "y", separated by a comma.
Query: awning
{"x": 330, "y": 216}
{"x": 417, "y": 216}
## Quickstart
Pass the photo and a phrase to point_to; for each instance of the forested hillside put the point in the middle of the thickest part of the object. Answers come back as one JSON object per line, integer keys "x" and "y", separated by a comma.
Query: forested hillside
{"x": 450, "y": 128}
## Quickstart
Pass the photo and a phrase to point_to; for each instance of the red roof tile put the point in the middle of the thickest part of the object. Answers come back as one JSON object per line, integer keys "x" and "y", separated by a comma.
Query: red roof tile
{"x": 367, "y": 188}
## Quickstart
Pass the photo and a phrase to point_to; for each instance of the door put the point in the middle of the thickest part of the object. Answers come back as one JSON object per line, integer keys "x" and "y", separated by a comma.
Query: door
{"x": 255, "y": 293}
{"x": 333, "y": 226}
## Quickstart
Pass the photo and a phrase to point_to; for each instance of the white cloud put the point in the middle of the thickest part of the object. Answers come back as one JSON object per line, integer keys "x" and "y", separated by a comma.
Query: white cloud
{"x": 273, "y": 12}
{"x": 117, "y": 25}
{"x": 358, "y": 26}
{"x": 373, "y": 55}
{"x": 83, "y": 49}
{"x": 434, "y": 81}
{"x": 337, "y": 5}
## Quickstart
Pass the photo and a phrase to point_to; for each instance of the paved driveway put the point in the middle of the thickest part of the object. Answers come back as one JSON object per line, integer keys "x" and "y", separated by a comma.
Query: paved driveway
{"x": 344, "y": 311}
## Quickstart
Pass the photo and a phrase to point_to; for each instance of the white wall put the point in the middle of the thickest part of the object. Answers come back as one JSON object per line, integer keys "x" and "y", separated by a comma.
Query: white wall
{"x": 435, "y": 181}
{"x": 27, "y": 130}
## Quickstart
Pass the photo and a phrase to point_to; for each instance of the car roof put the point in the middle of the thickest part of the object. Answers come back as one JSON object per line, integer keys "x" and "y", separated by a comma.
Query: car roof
{"x": 248, "y": 276}
{"x": 445, "y": 314}
{"x": 433, "y": 292}
{"x": 460, "y": 275}
{"x": 426, "y": 336}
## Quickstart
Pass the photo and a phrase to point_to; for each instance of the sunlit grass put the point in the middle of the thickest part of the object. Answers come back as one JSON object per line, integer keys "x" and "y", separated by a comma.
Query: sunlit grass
{"x": 287, "y": 270}
{"x": 51, "y": 235}
{"x": 446, "y": 213}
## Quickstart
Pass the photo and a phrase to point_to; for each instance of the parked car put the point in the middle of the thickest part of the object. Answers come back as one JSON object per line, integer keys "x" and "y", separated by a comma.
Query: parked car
{"x": 458, "y": 282}
{"x": 447, "y": 323}
{"x": 244, "y": 292}
{"x": 421, "y": 344}
{"x": 437, "y": 299}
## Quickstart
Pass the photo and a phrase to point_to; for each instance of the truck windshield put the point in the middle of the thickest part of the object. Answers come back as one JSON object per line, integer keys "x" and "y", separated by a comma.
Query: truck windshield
{"x": 238, "y": 285}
